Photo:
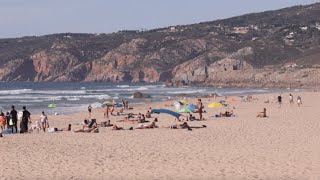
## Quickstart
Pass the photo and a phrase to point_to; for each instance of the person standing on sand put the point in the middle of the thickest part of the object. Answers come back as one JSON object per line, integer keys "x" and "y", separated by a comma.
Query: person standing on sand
{"x": 299, "y": 101}
{"x": 89, "y": 111}
{"x": 123, "y": 104}
{"x": 44, "y": 121}
{"x": 8, "y": 120}
{"x": 279, "y": 100}
{"x": 25, "y": 120}
{"x": 126, "y": 106}
{"x": 290, "y": 99}
{"x": 106, "y": 112}
{"x": 3, "y": 121}
{"x": 200, "y": 108}
{"x": 14, "y": 117}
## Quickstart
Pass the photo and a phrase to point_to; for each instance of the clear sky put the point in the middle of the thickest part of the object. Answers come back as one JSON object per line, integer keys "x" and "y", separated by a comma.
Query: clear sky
{"x": 38, "y": 17}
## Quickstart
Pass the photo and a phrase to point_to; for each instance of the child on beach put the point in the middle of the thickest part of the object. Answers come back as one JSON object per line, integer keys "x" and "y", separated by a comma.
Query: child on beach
{"x": 3, "y": 121}
{"x": 44, "y": 121}
{"x": 89, "y": 111}
{"x": 290, "y": 99}
{"x": 299, "y": 101}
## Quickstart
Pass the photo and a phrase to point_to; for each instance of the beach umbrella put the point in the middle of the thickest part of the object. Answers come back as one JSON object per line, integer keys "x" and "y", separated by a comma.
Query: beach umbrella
{"x": 184, "y": 102}
{"x": 166, "y": 111}
{"x": 108, "y": 102}
{"x": 192, "y": 106}
{"x": 52, "y": 105}
{"x": 215, "y": 105}
{"x": 185, "y": 110}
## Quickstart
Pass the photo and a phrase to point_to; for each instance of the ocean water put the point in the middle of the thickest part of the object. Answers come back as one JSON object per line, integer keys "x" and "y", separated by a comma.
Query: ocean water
{"x": 75, "y": 97}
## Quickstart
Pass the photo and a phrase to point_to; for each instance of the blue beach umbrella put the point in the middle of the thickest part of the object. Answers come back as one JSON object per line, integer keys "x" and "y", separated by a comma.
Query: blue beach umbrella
{"x": 166, "y": 111}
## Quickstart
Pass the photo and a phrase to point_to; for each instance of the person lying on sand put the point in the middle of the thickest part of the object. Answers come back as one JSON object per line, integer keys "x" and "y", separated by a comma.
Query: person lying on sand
{"x": 262, "y": 114}
{"x": 150, "y": 126}
{"x": 105, "y": 124}
{"x": 67, "y": 128}
{"x": 179, "y": 119}
{"x": 89, "y": 130}
{"x": 116, "y": 128}
{"x": 184, "y": 125}
{"x": 126, "y": 119}
{"x": 226, "y": 114}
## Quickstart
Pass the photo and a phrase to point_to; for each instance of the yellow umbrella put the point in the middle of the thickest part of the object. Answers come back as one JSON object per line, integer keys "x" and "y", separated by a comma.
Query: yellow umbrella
{"x": 108, "y": 102}
{"x": 215, "y": 105}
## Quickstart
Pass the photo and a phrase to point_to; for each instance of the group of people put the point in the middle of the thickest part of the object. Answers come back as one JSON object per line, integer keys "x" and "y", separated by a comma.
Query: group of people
{"x": 10, "y": 121}
{"x": 299, "y": 100}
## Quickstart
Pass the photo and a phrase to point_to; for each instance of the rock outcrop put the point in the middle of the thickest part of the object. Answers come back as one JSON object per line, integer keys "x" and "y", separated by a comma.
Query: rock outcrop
{"x": 141, "y": 95}
{"x": 272, "y": 49}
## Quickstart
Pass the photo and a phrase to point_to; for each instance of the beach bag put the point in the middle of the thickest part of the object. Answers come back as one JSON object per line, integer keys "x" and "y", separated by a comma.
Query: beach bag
{"x": 11, "y": 122}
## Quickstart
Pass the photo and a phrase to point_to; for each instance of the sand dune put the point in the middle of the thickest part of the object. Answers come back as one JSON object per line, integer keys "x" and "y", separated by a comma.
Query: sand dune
{"x": 284, "y": 146}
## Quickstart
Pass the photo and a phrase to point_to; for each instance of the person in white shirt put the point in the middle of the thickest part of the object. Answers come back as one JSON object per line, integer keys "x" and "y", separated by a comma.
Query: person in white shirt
{"x": 44, "y": 121}
{"x": 290, "y": 98}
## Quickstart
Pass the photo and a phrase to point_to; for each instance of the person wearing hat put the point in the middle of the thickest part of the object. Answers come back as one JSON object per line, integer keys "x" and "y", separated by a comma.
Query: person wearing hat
{"x": 200, "y": 108}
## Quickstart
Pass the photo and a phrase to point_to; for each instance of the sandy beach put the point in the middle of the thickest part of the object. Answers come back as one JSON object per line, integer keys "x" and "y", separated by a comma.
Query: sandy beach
{"x": 284, "y": 146}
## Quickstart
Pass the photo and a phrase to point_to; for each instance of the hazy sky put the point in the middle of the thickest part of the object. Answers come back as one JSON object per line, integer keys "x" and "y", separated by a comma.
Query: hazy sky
{"x": 39, "y": 17}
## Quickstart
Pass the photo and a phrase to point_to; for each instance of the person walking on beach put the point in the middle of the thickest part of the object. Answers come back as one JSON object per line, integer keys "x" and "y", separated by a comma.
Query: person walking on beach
{"x": 299, "y": 101}
{"x": 44, "y": 121}
{"x": 89, "y": 110}
{"x": 3, "y": 121}
{"x": 279, "y": 100}
{"x": 200, "y": 108}
{"x": 25, "y": 120}
{"x": 290, "y": 99}
{"x": 8, "y": 120}
{"x": 14, "y": 117}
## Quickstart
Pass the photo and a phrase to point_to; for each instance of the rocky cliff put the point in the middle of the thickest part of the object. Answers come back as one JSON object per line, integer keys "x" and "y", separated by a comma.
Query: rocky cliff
{"x": 275, "y": 48}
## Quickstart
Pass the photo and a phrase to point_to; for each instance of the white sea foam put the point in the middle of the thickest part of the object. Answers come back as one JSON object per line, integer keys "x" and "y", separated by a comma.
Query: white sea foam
{"x": 16, "y": 91}
{"x": 123, "y": 86}
{"x": 186, "y": 91}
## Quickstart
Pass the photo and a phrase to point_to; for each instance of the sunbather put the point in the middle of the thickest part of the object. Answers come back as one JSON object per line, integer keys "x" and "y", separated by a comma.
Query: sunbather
{"x": 89, "y": 130}
{"x": 262, "y": 114}
{"x": 151, "y": 126}
{"x": 184, "y": 125}
{"x": 126, "y": 119}
{"x": 105, "y": 124}
{"x": 226, "y": 114}
{"x": 148, "y": 114}
{"x": 115, "y": 127}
